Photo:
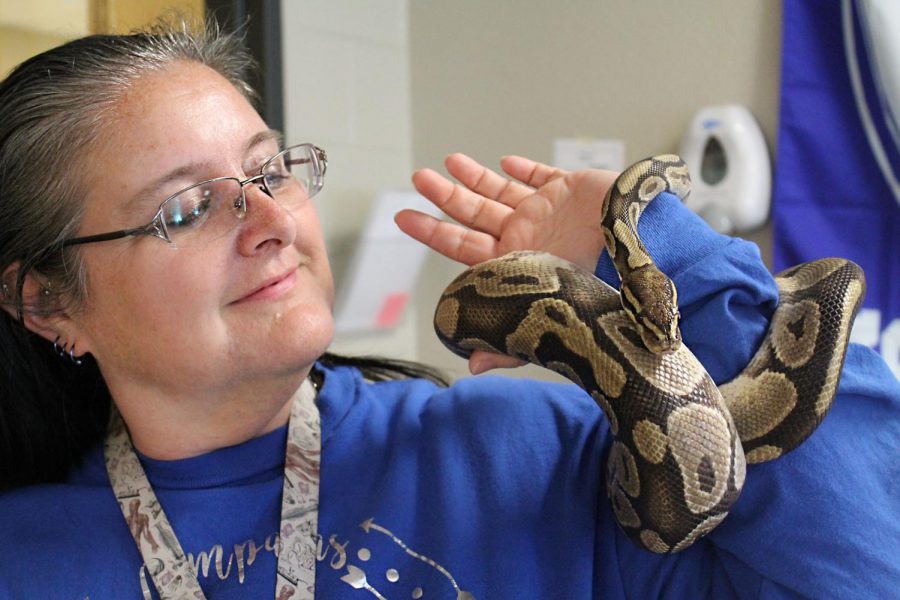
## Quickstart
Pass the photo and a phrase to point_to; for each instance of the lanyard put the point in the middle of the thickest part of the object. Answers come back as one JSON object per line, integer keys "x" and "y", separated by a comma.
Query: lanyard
{"x": 169, "y": 568}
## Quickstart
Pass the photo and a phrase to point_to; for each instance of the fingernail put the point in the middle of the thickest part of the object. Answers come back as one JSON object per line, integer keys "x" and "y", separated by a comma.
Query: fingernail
{"x": 477, "y": 367}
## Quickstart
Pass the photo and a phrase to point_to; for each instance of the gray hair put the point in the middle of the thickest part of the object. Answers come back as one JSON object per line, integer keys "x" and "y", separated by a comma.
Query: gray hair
{"x": 52, "y": 110}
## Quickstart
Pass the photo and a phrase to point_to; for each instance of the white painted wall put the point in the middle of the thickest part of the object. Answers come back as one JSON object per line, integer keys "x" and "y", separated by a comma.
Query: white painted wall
{"x": 346, "y": 70}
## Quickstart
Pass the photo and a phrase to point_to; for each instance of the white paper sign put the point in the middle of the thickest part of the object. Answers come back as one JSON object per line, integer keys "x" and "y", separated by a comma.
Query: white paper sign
{"x": 384, "y": 267}
{"x": 573, "y": 154}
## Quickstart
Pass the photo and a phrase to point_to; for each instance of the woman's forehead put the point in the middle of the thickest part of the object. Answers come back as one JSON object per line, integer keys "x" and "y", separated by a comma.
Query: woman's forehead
{"x": 187, "y": 114}
{"x": 186, "y": 101}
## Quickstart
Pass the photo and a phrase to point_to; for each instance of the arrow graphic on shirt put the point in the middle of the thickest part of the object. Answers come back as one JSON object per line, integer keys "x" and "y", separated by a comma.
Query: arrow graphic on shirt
{"x": 356, "y": 578}
{"x": 370, "y": 525}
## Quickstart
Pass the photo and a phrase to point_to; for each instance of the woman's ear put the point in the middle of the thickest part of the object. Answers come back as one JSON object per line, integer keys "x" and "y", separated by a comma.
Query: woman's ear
{"x": 42, "y": 310}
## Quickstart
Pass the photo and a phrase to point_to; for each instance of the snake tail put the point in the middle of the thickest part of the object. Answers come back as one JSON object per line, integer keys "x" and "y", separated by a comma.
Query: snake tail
{"x": 780, "y": 398}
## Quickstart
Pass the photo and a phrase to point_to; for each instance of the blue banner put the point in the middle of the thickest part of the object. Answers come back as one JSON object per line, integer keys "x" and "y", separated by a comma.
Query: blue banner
{"x": 835, "y": 190}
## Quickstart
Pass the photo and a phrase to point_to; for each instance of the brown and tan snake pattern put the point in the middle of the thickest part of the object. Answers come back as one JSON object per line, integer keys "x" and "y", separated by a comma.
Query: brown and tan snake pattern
{"x": 681, "y": 444}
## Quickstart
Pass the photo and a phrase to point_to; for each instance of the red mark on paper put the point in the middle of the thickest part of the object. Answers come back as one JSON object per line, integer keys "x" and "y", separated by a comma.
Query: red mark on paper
{"x": 391, "y": 310}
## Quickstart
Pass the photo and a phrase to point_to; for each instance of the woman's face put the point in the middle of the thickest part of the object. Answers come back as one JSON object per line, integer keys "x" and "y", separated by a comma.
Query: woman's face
{"x": 254, "y": 304}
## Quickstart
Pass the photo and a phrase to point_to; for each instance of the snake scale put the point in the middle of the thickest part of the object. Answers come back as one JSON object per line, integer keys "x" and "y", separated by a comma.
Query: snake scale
{"x": 680, "y": 443}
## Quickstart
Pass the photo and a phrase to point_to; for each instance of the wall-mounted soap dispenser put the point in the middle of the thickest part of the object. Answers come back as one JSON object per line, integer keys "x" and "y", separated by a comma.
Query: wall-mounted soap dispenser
{"x": 731, "y": 177}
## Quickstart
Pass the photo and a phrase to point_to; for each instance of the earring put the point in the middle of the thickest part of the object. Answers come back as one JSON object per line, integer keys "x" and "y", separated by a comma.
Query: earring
{"x": 5, "y": 289}
{"x": 64, "y": 351}
{"x": 75, "y": 360}
{"x": 46, "y": 289}
{"x": 56, "y": 348}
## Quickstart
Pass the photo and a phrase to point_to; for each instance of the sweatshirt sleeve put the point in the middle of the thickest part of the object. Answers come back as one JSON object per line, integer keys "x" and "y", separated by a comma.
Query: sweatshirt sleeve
{"x": 725, "y": 293}
{"x": 821, "y": 521}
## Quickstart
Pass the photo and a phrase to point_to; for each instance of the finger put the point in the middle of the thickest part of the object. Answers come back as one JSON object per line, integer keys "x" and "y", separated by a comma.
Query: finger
{"x": 467, "y": 207}
{"x": 529, "y": 171}
{"x": 454, "y": 241}
{"x": 481, "y": 361}
{"x": 486, "y": 182}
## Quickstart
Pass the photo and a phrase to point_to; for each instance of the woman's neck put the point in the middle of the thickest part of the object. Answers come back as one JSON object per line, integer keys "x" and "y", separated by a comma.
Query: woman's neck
{"x": 165, "y": 428}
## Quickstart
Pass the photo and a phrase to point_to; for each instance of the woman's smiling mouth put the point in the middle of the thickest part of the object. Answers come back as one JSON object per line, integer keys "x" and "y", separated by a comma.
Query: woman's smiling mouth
{"x": 271, "y": 289}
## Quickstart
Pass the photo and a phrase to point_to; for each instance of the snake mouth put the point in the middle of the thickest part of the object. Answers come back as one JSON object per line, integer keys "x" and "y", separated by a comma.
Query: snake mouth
{"x": 659, "y": 343}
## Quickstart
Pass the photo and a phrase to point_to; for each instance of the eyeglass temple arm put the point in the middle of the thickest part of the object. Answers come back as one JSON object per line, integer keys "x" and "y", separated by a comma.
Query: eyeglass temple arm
{"x": 321, "y": 157}
{"x": 113, "y": 235}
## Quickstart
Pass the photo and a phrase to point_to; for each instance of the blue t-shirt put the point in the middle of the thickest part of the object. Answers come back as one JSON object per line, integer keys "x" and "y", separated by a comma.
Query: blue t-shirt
{"x": 494, "y": 486}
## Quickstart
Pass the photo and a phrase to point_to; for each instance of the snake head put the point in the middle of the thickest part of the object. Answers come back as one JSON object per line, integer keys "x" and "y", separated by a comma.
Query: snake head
{"x": 651, "y": 300}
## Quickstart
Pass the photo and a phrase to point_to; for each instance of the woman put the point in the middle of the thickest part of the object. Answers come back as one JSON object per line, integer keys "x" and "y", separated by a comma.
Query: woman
{"x": 203, "y": 320}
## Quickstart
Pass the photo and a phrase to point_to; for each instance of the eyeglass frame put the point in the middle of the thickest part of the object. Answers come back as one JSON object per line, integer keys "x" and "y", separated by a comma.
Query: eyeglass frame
{"x": 157, "y": 226}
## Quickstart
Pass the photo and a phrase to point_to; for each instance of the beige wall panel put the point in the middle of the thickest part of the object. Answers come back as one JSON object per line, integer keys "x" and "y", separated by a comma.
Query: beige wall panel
{"x": 28, "y": 28}
{"x": 123, "y": 15}
{"x": 61, "y": 18}
{"x": 17, "y": 45}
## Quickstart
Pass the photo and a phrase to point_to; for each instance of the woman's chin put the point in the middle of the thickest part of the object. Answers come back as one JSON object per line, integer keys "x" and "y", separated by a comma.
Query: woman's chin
{"x": 303, "y": 340}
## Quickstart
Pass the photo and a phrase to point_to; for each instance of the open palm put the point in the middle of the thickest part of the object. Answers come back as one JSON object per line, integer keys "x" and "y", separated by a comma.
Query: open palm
{"x": 539, "y": 208}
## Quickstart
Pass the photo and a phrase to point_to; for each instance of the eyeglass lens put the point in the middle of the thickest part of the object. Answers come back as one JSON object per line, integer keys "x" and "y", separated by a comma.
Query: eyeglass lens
{"x": 211, "y": 209}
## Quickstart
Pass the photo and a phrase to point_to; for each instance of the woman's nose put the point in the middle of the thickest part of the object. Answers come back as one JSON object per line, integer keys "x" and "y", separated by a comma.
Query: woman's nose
{"x": 268, "y": 225}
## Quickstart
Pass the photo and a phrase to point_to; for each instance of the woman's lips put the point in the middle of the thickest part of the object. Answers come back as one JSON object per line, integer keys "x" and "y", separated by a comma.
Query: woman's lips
{"x": 271, "y": 289}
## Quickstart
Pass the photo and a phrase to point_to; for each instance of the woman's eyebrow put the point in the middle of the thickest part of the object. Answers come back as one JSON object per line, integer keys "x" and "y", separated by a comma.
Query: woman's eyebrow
{"x": 154, "y": 188}
{"x": 263, "y": 136}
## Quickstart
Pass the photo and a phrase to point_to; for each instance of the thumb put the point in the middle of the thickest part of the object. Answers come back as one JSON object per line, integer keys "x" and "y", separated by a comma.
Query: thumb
{"x": 481, "y": 361}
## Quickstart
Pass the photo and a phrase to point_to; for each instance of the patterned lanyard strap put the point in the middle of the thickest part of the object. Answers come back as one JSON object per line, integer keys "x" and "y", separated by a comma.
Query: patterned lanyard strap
{"x": 171, "y": 571}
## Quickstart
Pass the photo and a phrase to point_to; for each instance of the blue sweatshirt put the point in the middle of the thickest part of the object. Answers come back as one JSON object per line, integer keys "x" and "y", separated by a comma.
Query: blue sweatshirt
{"x": 494, "y": 486}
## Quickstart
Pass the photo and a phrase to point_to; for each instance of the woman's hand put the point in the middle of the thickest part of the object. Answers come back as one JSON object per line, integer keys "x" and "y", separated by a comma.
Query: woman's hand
{"x": 540, "y": 208}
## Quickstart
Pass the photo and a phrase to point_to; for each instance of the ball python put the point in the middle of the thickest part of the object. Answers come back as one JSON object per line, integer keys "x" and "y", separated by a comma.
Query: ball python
{"x": 680, "y": 443}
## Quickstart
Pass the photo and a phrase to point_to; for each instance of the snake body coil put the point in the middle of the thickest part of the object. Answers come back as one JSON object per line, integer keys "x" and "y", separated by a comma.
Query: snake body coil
{"x": 677, "y": 462}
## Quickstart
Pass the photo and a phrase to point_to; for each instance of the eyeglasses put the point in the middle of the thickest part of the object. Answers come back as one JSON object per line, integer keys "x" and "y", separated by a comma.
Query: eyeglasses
{"x": 198, "y": 213}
